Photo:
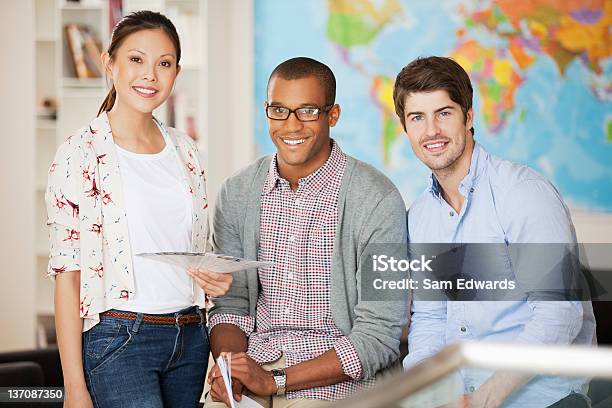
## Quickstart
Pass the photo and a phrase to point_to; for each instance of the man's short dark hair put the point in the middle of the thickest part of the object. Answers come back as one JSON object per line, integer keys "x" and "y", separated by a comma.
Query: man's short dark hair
{"x": 302, "y": 67}
{"x": 433, "y": 74}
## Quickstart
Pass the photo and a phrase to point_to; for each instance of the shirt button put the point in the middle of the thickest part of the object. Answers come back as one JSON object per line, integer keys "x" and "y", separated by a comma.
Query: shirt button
{"x": 287, "y": 311}
{"x": 452, "y": 213}
{"x": 472, "y": 190}
{"x": 292, "y": 238}
{"x": 472, "y": 389}
{"x": 463, "y": 329}
{"x": 298, "y": 201}
{"x": 290, "y": 275}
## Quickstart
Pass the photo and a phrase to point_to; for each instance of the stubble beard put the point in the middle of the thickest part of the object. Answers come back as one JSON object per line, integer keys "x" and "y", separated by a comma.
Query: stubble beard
{"x": 449, "y": 165}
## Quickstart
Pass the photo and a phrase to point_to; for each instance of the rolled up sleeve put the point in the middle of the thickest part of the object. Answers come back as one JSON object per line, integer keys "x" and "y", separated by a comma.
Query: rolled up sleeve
{"x": 62, "y": 204}
{"x": 244, "y": 323}
{"x": 349, "y": 359}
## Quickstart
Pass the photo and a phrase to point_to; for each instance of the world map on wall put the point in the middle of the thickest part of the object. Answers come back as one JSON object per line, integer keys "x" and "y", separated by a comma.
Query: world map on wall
{"x": 541, "y": 71}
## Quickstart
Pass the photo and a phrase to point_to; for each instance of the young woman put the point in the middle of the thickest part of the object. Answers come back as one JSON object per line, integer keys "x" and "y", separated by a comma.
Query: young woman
{"x": 130, "y": 330}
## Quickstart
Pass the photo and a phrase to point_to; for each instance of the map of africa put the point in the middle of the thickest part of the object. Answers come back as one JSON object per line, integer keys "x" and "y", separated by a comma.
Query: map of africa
{"x": 541, "y": 70}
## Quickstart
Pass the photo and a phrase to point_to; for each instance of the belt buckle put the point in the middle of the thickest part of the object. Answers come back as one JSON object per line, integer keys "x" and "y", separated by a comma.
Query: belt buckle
{"x": 177, "y": 319}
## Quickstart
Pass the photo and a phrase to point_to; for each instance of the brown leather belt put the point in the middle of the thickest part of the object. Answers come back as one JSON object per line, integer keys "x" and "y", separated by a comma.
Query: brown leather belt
{"x": 154, "y": 319}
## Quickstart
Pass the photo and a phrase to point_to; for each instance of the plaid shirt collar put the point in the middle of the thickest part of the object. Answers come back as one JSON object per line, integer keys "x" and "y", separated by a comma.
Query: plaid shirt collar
{"x": 312, "y": 183}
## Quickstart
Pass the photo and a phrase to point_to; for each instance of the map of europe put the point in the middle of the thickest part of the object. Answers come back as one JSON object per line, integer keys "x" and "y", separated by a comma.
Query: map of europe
{"x": 541, "y": 70}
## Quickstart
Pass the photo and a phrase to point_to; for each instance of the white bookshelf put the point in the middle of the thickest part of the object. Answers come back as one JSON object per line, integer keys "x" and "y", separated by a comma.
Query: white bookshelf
{"x": 47, "y": 46}
{"x": 78, "y": 99}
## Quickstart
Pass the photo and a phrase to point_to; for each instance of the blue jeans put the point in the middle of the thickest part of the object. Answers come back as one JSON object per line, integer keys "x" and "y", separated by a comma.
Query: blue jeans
{"x": 131, "y": 363}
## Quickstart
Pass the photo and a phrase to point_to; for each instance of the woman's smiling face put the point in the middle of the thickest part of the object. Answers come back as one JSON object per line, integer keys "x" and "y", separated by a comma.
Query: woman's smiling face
{"x": 143, "y": 70}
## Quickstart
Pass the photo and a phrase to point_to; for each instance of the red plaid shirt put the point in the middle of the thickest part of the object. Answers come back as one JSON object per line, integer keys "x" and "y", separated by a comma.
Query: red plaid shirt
{"x": 294, "y": 317}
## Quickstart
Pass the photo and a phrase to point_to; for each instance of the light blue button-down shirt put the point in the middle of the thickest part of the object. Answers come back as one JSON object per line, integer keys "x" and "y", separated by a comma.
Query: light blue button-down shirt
{"x": 508, "y": 203}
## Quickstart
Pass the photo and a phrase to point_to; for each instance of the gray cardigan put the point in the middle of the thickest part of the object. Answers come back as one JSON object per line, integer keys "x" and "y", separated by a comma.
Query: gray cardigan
{"x": 370, "y": 210}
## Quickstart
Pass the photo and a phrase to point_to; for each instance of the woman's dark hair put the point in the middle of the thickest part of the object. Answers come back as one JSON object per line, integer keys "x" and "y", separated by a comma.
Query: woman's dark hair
{"x": 134, "y": 22}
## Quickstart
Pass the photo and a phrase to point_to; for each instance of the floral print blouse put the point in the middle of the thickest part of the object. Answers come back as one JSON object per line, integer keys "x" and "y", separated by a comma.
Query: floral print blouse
{"x": 87, "y": 218}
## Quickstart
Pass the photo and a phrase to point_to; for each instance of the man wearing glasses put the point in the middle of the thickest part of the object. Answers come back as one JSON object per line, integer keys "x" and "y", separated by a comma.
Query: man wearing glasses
{"x": 299, "y": 332}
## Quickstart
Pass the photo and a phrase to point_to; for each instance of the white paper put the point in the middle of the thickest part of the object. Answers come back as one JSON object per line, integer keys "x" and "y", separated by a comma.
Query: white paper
{"x": 209, "y": 261}
{"x": 227, "y": 380}
{"x": 226, "y": 373}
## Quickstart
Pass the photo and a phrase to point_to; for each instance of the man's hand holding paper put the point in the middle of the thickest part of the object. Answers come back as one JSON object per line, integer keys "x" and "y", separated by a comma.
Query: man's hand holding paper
{"x": 223, "y": 369}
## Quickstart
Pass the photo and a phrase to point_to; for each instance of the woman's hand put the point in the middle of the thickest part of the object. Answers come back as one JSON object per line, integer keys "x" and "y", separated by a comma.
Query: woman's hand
{"x": 77, "y": 398}
{"x": 214, "y": 284}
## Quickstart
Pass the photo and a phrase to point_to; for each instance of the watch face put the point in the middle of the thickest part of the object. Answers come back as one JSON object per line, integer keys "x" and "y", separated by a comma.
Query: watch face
{"x": 280, "y": 379}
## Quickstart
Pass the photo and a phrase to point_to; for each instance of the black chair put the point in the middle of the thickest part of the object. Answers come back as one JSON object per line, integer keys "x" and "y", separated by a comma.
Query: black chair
{"x": 32, "y": 368}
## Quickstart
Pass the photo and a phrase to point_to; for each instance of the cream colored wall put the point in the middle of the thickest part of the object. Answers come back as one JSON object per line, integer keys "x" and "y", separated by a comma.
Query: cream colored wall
{"x": 230, "y": 92}
{"x": 17, "y": 176}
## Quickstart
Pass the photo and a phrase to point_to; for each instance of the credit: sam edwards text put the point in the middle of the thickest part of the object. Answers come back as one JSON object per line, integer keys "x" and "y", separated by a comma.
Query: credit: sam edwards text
{"x": 459, "y": 284}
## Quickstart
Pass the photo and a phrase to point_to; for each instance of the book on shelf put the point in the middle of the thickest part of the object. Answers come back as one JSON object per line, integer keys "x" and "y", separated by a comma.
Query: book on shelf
{"x": 84, "y": 49}
{"x": 93, "y": 49}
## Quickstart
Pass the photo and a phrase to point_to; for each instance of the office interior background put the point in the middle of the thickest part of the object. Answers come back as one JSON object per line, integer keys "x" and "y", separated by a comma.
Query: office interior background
{"x": 543, "y": 97}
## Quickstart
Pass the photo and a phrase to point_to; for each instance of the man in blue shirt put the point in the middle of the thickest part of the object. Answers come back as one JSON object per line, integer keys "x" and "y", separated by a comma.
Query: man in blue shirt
{"x": 475, "y": 197}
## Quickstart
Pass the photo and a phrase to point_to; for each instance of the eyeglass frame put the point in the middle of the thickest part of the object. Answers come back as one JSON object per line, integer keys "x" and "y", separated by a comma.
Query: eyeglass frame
{"x": 324, "y": 109}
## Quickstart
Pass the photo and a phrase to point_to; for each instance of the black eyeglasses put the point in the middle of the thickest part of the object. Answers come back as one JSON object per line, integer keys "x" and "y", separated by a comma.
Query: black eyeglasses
{"x": 305, "y": 114}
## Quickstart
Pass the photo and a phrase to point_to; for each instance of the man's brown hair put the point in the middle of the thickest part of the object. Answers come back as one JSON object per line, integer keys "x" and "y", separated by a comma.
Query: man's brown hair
{"x": 433, "y": 74}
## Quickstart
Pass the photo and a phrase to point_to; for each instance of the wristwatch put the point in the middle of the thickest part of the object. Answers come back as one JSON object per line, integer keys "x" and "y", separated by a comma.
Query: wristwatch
{"x": 280, "y": 378}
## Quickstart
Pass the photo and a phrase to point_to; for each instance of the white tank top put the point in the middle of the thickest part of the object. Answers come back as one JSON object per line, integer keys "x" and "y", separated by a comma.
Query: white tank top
{"x": 159, "y": 212}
